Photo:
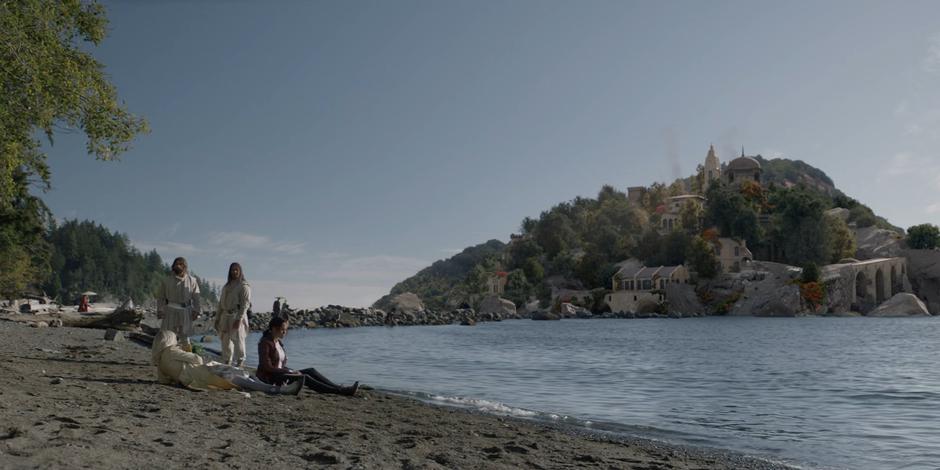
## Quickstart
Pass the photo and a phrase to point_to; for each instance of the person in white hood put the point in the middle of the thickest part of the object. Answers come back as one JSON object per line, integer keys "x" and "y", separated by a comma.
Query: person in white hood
{"x": 176, "y": 366}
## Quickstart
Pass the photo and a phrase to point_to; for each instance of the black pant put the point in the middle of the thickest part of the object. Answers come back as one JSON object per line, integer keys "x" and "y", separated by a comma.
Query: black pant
{"x": 318, "y": 383}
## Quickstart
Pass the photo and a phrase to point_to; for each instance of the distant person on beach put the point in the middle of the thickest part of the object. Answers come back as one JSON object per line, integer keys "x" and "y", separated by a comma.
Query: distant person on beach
{"x": 178, "y": 302}
{"x": 83, "y": 305}
{"x": 232, "y": 319}
{"x": 272, "y": 364}
{"x": 176, "y": 366}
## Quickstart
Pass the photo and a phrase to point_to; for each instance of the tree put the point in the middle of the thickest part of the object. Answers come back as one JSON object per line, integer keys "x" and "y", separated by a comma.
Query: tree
{"x": 701, "y": 257}
{"x": 800, "y": 227}
{"x": 690, "y": 217}
{"x": 810, "y": 273}
{"x": 730, "y": 212}
{"x": 841, "y": 239}
{"x": 24, "y": 251}
{"x": 47, "y": 81}
{"x": 923, "y": 237}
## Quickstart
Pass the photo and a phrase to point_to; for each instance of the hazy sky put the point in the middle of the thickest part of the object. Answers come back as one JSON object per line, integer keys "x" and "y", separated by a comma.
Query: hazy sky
{"x": 335, "y": 148}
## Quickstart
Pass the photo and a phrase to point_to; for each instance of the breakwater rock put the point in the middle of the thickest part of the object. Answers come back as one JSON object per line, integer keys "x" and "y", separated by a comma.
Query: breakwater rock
{"x": 337, "y": 316}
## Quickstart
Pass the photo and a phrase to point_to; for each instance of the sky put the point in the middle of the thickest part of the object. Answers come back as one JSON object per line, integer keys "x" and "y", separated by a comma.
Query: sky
{"x": 336, "y": 148}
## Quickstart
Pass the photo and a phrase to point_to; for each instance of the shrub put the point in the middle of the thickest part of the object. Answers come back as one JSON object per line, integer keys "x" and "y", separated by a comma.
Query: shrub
{"x": 923, "y": 237}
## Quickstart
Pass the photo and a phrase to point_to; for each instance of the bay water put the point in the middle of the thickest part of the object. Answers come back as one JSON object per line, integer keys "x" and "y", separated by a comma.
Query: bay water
{"x": 839, "y": 393}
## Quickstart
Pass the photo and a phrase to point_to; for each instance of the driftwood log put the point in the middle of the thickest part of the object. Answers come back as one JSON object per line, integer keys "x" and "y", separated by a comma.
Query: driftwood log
{"x": 119, "y": 319}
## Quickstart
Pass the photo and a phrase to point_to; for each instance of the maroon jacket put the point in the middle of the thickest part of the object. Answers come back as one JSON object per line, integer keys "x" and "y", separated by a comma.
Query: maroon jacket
{"x": 268, "y": 358}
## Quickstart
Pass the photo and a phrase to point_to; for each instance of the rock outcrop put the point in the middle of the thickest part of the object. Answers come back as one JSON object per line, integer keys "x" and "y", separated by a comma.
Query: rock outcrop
{"x": 337, "y": 316}
{"x": 767, "y": 290}
{"x": 406, "y": 303}
{"x": 873, "y": 242}
{"x": 924, "y": 275}
{"x": 901, "y": 305}
{"x": 682, "y": 301}
{"x": 494, "y": 305}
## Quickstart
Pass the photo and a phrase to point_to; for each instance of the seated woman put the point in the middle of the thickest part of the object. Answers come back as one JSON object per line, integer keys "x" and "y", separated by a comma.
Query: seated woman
{"x": 272, "y": 363}
{"x": 176, "y": 366}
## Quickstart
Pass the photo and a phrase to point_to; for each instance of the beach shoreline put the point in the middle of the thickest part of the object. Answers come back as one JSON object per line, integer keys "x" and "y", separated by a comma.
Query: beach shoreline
{"x": 72, "y": 399}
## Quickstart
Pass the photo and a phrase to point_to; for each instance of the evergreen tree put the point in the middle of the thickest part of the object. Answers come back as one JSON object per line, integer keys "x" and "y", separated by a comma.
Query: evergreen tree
{"x": 923, "y": 237}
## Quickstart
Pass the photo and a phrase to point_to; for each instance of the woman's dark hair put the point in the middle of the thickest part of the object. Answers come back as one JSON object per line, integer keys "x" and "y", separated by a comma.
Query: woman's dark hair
{"x": 241, "y": 272}
{"x": 275, "y": 322}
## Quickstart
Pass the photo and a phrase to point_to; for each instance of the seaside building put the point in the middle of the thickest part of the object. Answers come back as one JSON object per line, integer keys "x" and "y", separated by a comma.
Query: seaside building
{"x": 496, "y": 283}
{"x": 634, "y": 287}
{"x": 732, "y": 254}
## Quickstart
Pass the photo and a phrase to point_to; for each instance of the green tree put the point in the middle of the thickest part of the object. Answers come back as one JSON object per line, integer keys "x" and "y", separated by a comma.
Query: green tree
{"x": 49, "y": 80}
{"x": 730, "y": 212}
{"x": 533, "y": 269}
{"x": 24, "y": 252}
{"x": 690, "y": 217}
{"x": 518, "y": 289}
{"x": 701, "y": 258}
{"x": 923, "y": 237}
{"x": 841, "y": 239}
{"x": 800, "y": 228}
{"x": 810, "y": 272}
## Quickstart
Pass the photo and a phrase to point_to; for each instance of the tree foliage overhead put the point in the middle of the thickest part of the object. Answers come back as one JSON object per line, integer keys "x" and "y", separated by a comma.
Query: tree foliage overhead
{"x": 48, "y": 80}
{"x": 48, "y": 83}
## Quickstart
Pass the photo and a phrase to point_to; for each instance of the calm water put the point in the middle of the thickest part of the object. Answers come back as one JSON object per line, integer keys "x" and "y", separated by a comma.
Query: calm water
{"x": 852, "y": 393}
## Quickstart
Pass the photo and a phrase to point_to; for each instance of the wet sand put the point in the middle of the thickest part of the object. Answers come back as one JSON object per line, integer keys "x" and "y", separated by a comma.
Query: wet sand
{"x": 70, "y": 399}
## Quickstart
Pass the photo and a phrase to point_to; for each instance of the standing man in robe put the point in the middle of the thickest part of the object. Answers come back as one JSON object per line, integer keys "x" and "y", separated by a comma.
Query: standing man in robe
{"x": 232, "y": 320}
{"x": 178, "y": 302}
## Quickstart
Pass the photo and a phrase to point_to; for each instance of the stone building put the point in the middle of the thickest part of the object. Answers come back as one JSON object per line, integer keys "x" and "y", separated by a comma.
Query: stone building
{"x": 712, "y": 168}
{"x": 635, "y": 194}
{"x": 636, "y": 287}
{"x": 743, "y": 169}
{"x": 732, "y": 254}
{"x": 496, "y": 284}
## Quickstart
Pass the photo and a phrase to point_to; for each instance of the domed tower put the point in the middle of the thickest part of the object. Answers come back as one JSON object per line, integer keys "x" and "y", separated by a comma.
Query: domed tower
{"x": 712, "y": 168}
{"x": 743, "y": 169}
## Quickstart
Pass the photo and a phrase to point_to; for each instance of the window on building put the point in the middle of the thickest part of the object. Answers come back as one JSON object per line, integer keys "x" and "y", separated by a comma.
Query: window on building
{"x": 647, "y": 284}
{"x": 737, "y": 251}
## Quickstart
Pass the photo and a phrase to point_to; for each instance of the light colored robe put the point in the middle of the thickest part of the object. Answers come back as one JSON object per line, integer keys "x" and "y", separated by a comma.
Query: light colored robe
{"x": 177, "y": 366}
{"x": 234, "y": 302}
{"x": 177, "y": 301}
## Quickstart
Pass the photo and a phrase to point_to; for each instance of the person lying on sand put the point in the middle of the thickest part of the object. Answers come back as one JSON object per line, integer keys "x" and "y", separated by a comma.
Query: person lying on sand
{"x": 176, "y": 366}
{"x": 272, "y": 364}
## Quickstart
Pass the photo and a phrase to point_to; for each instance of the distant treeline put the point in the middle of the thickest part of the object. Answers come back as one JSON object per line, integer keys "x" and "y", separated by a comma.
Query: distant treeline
{"x": 85, "y": 256}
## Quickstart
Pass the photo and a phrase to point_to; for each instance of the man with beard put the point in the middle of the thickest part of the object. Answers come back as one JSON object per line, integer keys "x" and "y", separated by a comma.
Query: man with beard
{"x": 178, "y": 302}
{"x": 232, "y": 319}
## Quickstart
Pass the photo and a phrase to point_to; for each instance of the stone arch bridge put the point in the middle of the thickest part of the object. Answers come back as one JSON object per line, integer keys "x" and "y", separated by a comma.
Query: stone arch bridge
{"x": 866, "y": 284}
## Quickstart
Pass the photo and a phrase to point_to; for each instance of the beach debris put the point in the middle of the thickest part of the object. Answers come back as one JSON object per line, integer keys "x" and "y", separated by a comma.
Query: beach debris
{"x": 122, "y": 318}
{"x": 113, "y": 335}
{"x": 38, "y": 324}
{"x": 56, "y": 381}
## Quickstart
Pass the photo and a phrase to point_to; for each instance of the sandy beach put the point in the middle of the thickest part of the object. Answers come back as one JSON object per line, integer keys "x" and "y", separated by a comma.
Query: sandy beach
{"x": 71, "y": 399}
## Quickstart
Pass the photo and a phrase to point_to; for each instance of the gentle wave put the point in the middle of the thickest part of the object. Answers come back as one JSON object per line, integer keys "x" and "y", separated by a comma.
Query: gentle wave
{"x": 858, "y": 393}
